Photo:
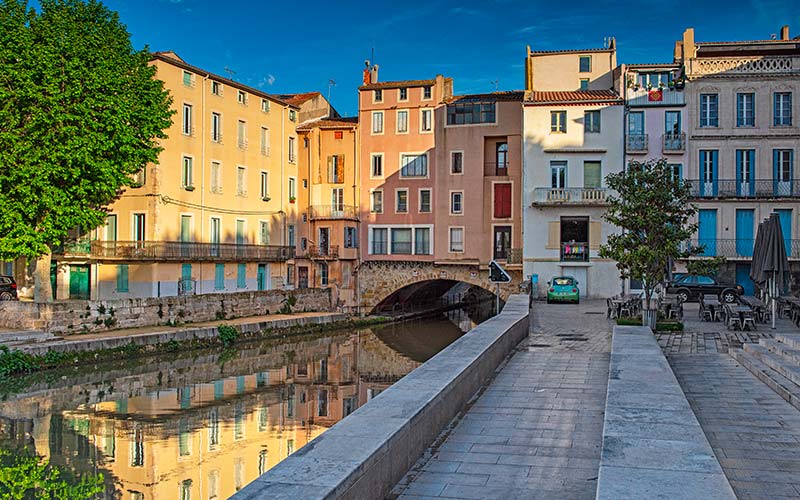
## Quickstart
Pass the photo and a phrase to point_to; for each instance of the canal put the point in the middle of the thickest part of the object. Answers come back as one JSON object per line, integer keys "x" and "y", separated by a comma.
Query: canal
{"x": 202, "y": 424}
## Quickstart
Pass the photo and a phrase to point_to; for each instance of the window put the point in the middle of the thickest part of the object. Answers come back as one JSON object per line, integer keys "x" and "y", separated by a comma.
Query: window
{"x": 401, "y": 241}
{"x": 677, "y": 170}
{"x": 377, "y": 95}
{"x": 456, "y": 239}
{"x": 213, "y": 485}
{"x": 379, "y": 241}
{"x": 585, "y": 64}
{"x": 424, "y": 200}
{"x": 350, "y": 237}
{"x": 558, "y": 121}
{"x": 672, "y": 122}
{"x": 782, "y": 160}
{"x": 264, "y": 141}
{"x": 558, "y": 174}
{"x": 427, "y": 92}
{"x": 782, "y": 109}
{"x": 377, "y": 165}
{"x": 292, "y": 156}
{"x": 241, "y": 276}
{"x": 709, "y": 110}
{"x": 188, "y": 79}
{"x": 216, "y": 127}
{"x": 591, "y": 122}
{"x": 186, "y": 173}
{"x": 265, "y": 105}
{"x": 592, "y": 176}
{"x": 292, "y": 188}
{"x": 337, "y": 201}
{"x": 414, "y": 165}
{"x": 187, "y": 119}
{"x": 376, "y": 202}
{"x": 140, "y": 178}
{"x": 502, "y": 200}
{"x": 584, "y": 84}
{"x": 501, "y": 155}
{"x": 456, "y": 203}
{"x": 426, "y": 120}
{"x": 456, "y": 162}
{"x": 336, "y": 169}
{"x": 323, "y": 274}
{"x": 184, "y": 443}
{"x": 241, "y": 134}
{"x": 186, "y": 490}
{"x": 137, "y": 448}
{"x": 465, "y": 113}
{"x": 216, "y": 88}
{"x": 402, "y": 95}
{"x": 401, "y": 205}
{"x": 122, "y": 278}
{"x": 292, "y": 115}
{"x": 745, "y": 110}
{"x": 402, "y": 121}
{"x": 377, "y": 122}
{"x": 241, "y": 181}
{"x": 216, "y": 177}
{"x": 219, "y": 279}
{"x": 265, "y": 186}
{"x": 422, "y": 241}
{"x": 111, "y": 231}
{"x": 290, "y": 232}
{"x": 241, "y": 97}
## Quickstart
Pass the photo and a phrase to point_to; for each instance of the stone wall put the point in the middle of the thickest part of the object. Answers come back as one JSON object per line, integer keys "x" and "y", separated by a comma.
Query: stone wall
{"x": 80, "y": 316}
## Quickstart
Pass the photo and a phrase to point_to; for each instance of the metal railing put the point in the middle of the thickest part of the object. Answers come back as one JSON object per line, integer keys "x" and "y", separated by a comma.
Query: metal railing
{"x": 636, "y": 143}
{"x": 753, "y": 188}
{"x": 315, "y": 252}
{"x": 188, "y": 251}
{"x": 735, "y": 248}
{"x": 570, "y": 195}
{"x": 333, "y": 212}
{"x": 673, "y": 143}
{"x": 499, "y": 169}
{"x": 575, "y": 252}
{"x": 514, "y": 256}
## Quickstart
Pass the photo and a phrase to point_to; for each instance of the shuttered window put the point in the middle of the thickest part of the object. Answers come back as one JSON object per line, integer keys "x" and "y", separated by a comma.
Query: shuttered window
{"x": 336, "y": 169}
{"x": 122, "y": 278}
{"x": 502, "y": 201}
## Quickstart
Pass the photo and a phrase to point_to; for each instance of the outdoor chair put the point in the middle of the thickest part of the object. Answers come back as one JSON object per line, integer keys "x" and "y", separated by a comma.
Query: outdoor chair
{"x": 611, "y": 311}
{"x": 749, "y": 320}
{"x": 718, "y": 314}
{"x": 625, "y": 309}
{"x": 734, "y": 321}
{"x": 784, "y": 309}
{"x": 705, "y": 313}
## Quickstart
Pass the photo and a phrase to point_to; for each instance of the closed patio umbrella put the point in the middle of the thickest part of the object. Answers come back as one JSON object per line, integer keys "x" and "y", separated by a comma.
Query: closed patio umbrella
{"x": 770, "y": 263}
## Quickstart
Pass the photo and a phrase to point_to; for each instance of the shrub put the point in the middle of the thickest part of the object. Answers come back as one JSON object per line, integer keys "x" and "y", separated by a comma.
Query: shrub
{"x": 227, "y": 334}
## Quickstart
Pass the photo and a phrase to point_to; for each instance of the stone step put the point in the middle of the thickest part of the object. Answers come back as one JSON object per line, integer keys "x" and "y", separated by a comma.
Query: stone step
{"x": 791, "y": 340}
{"x": 785, "y": 351}
{"x": 27, "y": 336}
{"x": 786, "y": 368}
{"x": 782, "y": 386}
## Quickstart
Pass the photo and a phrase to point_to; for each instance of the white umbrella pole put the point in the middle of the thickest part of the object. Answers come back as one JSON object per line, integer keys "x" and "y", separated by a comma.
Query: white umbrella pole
{"x": 773, "y": 291}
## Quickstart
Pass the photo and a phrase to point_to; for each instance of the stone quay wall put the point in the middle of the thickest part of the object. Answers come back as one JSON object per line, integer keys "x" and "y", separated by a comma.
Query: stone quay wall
{"x": 82, "y": 316}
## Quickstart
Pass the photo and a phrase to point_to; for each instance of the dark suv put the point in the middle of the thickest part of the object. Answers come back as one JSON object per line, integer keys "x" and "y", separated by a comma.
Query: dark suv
{"x": 8, "y": 288}
{"x": 691, "y": 287}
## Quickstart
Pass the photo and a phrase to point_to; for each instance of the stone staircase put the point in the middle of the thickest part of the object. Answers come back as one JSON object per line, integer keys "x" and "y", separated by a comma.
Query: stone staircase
{"x": 776, "y": 362}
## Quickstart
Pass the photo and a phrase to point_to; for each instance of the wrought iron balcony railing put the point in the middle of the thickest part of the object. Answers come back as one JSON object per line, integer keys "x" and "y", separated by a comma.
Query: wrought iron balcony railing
{"x": 575, "y": 252}
{"x": 736, "y": 188}
{"x": 493, "y": 168}
{"x": 636, "y": 143}
{"x": 673, "y": 143}
{"x": 736, "y": 248}
{"x": 178, "y": 251}
{"x": 555, "y": 196}
{"x": 321, "y": 253}
{"x": 316, "y": 212}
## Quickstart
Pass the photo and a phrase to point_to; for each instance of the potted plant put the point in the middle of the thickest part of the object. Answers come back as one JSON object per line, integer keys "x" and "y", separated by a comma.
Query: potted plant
{"x": 672, "y": 84}
{"x": 292, "y": 199}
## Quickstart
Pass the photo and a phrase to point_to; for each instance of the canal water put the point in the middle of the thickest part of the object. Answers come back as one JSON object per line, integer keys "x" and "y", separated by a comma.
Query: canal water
{"x": 202, "y": 424}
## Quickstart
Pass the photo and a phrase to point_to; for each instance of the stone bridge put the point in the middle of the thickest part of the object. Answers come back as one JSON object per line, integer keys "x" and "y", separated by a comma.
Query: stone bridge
{"x": 378, "y": 280}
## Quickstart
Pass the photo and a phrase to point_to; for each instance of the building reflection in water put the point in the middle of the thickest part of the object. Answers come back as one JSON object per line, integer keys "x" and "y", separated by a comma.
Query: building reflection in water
{"x": 190, "y": 427}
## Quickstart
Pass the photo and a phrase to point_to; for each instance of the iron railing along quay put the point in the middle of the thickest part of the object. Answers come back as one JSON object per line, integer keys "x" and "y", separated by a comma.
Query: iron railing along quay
{"x": 316, "y": 212}
{"x": 592, "y": 196}
{"x": 737, "y": 188}
{"x": 178, "y": 251}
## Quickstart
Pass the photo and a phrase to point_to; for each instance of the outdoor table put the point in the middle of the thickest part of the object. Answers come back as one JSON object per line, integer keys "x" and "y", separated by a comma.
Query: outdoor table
{"x": 712, "y": 303}
{"x": 738, "y": 310}
{"x": 794, "y": 302}
{"x": 759, "y": 307}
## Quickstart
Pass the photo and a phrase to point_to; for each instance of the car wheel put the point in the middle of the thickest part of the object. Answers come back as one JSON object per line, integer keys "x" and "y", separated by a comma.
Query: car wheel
{"x": 683, "y": 296}
{"x": 729, "y": 296}
{"x": 578, "y": 301}
{"x": 6, "y": 296}
{"x": 549, "y": 301}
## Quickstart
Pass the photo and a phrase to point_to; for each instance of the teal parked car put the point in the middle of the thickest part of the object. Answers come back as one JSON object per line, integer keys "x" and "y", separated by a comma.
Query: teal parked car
{"x": 563, "y": 289}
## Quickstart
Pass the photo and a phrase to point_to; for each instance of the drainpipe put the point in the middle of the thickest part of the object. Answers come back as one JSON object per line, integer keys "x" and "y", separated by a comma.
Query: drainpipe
{"x": 202, "y": 166}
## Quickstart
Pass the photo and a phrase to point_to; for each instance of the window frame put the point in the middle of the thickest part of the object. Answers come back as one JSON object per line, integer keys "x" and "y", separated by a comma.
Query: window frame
{"x": 216, "y": 180}
{"x": 422, "y": 121}
{"x": 377, "y": 96}
{"x": 453, "y": 154}
{"x": 706, "y": 118}
{"x": 427, "y": 93}
{"x": 417, "y": 155}
{"x": 457, "y": 195}
{"x": 450, "y": 239}
{"x": 397, "y": 192}
{"x": 397, "y": 129}
{"x": 430, "y": 200}
{"x": 586, "y": 58}
{"x": 372, "y": 208}
{"x": 216, "y": 127}
{"x": 241, "y": 181}
{"x": 373, "y": 123}
{"x": 596, "y": 125}
{"x": 187, "y": 172}
{"x": 741, "y": 105}
{"x": 372, "y": 158}
{"x": 264, "y": 185}
{"x": 187, "y": 127}
{"x": 560, "y": 118}
{"x": 559, "y": 165}
{"x": 402, "y": 94}
{"x": 583, "y": 84}
{"x": 777, "y": 121}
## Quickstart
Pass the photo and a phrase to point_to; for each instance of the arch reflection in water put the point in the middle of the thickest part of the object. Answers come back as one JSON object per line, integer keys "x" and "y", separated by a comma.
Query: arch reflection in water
{"x": 193, "y": 427}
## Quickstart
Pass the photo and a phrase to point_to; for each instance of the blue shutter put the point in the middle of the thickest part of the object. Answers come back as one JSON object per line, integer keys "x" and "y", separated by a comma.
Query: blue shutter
{"x": 751, "y": 154}
{"x": 122, "y": 278}
{"x": 714, "y": 157}
{"x": 739, "y": 110}
{"x": 775, "y": 157}
{"x": 739, "y": 159}
{"x": 791, "y": 171}
{"x": 219, "y": 276}
{"x": 775, "y": 108}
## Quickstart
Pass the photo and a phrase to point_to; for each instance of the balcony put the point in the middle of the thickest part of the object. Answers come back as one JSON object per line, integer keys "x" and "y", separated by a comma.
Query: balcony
{"x": 495, "y": 169}
{"x": 673, "y": 143}
{"x": 636, "y": 143}
{"x": 321, "y": 253}
{"x": 654, "y": 97}
{"x": 732, "y": 188}
{"x": 177, "y": 251}
{"x": 775, "y": 65}
{"x": 741, "y": 249}
{"x": 324, "y": 212}
{"x": 566, "y": 196}
{"x": 575, "y": 252}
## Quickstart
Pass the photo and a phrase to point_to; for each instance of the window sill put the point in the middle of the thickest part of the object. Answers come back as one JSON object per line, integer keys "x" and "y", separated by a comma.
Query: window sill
{"x": 188, "y": 188}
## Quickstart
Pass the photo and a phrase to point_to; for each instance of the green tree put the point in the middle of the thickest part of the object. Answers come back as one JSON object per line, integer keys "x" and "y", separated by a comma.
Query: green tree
{"x": 653, "y": 211}
{"x": 25, "y": 476}
{"x": 81, "y": 112}
{"x": 707, "y": 266}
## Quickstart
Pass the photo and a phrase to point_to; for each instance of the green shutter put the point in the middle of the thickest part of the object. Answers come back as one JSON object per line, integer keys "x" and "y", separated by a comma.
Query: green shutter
{"x": 591, "y": 174}
{"x": 219, "y": 277}
{"x": 241, "y": 276}
{"x": 122, "y": 278}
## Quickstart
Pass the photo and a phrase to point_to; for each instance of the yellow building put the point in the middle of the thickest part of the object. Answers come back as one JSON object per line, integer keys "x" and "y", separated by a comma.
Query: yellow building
{"x": 216, "y": 214}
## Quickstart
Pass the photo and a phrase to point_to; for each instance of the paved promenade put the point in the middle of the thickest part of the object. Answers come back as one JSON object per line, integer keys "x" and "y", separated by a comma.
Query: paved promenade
{"x": 536, "y": 431}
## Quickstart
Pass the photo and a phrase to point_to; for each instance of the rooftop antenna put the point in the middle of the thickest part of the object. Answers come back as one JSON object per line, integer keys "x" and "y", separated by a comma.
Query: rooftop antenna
{"x": 496, "y": 84}
{"x": 606, "y": 41}
{"x": 773, "y": 36}
{"x": 331, "y": 83}
{"x": 230, "y": 73}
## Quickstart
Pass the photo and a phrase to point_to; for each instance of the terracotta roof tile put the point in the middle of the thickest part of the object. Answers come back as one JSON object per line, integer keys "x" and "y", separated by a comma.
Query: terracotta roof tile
{"x": 575, "y": 96}
{"x": 506, "y": 95}
{"x": 347, "y": 122}
{"x": 397, "y": 84}
{"x": 298, "y": 99}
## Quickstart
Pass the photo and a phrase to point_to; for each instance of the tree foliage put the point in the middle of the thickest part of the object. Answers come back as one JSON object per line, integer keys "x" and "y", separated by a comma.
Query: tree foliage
{"x": 80, "y": 113}
{"x": 653, "y": 211}
{"x": 25, "y": 476}
{"x": 705, "y": 267}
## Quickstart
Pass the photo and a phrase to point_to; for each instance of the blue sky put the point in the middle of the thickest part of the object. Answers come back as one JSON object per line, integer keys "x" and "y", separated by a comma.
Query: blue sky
{"x": 298, "y": 46}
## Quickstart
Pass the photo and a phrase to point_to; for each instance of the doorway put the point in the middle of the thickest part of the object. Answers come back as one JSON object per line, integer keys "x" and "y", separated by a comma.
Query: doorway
{"x": 502, "y": 242}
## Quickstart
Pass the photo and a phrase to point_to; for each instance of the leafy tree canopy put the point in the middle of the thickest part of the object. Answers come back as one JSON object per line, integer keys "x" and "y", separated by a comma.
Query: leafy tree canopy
{"x": 25, "y": 476}
{"x": 653, "y": 211}
{"x": 80, "y": 114}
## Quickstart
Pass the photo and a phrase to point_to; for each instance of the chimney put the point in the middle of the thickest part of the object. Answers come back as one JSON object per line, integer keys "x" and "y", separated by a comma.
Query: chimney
{"x": 367, "y": 77}
{"x": 374, "y": 73}
{"x": 784, "y": 32}
{"x": 688, "y": 44}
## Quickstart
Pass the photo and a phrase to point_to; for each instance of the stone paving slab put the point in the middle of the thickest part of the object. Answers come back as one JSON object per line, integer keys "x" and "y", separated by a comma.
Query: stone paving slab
{"x": 754, "y": 432}
{"x": 536, "y": 430}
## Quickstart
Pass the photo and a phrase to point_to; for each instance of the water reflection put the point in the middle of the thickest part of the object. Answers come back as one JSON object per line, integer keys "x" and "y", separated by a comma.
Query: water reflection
{"x": 191, "y": 426}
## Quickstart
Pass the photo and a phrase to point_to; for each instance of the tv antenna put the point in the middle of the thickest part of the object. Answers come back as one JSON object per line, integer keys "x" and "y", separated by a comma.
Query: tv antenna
{"x": 331, "y": 83}
{"x": 230, "y": 72}
{"x": 496, "y": 84}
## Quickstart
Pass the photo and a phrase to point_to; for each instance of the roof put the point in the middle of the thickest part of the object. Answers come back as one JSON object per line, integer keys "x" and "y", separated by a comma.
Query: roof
{"x": 173, "y": 58}
{"x": 506, "y": 95}
{"x": 570, "y": 51}
{"x": 298, "y": 99}
{"x": 744, "y": 42}
{"x": 653, "y": 65}
{"x": 538, "y": 98}
{"x": 398, "y": 84}
{"x": 330, "y": 123}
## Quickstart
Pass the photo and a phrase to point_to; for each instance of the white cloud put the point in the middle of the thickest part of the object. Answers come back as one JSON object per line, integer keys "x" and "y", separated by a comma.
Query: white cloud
{"x": 267, "y": 80}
